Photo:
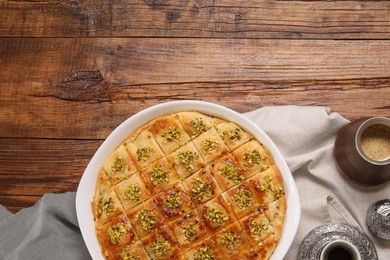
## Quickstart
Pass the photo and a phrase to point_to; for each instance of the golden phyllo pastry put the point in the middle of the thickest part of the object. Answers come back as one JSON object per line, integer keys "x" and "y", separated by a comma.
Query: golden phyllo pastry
{"x": 116, "y": 234}
{"x": 232, "y": 134}
{"x": 210, "y": 145}
{"x": 132, "y": 251}
{"x": 186, "y": 160}
{"x": 169, "y": 133}
{"x": 143, "y": 148}
{"x": 188, "y": 228}
{"x": 119, "y": 166}
{"x": 189, "y": 186}
{"x": 132, "y": 191}
{"x": 202, "y": 186}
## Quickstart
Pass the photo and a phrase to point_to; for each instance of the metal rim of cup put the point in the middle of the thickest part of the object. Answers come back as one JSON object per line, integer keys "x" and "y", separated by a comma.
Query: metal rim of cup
{"x": 370, "y": 122}
{"x": 349, "y": 247}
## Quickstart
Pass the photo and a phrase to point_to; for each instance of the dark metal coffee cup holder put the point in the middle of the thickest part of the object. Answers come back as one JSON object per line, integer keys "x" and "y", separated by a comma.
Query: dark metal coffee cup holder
{"x": 351, "y": 164}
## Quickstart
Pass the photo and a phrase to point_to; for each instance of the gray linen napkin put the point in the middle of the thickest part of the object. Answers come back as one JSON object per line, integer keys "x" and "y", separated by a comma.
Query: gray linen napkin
{"x": 305, "y": 136}
{"x": 48, "y": 230}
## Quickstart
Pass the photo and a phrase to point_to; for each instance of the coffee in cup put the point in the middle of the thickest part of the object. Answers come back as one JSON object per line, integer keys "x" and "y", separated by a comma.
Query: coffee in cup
{"x": 340, "y": 250}
{"x": 375, "y": 142}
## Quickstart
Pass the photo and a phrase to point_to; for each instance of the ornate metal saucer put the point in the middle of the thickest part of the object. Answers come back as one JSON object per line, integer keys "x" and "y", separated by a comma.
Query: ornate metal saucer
{"x": 319, "y": 237}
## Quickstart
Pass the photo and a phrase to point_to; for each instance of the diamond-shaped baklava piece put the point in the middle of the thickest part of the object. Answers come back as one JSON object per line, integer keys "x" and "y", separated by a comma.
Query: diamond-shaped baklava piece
{"x": 162, "y": 245}
{"x": 258, "y": 227}
{"x": 159, "y": 176}
{"x": 186, "y": 160}
{"x": 262, "y": 251}
{"x": 146, "y": 218}
{"x": 210, "y": 145}
{"x": 116, "y": 233}
{"x": 169, "y": 133}
{"x": 119, "y": 165}
{"x": 227, "y": 172}
{"x": 243, "y": 200}
{"x": 263, "y": 234}
{"x": 205, "y": 249}
{"x": 252, "y": 157}
{"x": 105, "y": 204}
{"x": 134, "y": 250}
{"x": 188, "y": 229}
{"x": 202, "y": 186}
{"x": 143, "y": 148}
{"x": 268, "y": 186}
{"x": 230, "y": 239}
{"x": 232, "y": 134}
{"x": 173, "y": 202}
{"x": 216, "y": 213}
{"x": 132, "y": 191}
{"x": 195, "y": 123}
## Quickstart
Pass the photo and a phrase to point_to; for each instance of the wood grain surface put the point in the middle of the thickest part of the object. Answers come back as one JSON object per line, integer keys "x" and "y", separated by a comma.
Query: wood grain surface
{"x": 198, "y": 18}
{"x": 71, "y": 71}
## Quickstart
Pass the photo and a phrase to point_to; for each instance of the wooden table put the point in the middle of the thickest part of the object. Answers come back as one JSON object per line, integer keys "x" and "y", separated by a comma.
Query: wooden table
{"x": 71, "y": 71}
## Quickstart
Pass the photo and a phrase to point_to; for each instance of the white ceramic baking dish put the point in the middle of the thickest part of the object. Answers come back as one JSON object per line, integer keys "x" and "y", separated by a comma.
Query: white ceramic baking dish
{"x": 86, "y": 188}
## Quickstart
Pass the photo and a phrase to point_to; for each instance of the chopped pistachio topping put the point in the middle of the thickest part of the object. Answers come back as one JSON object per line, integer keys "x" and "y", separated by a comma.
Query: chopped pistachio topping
{"x": 160, "y": 247}
{"x": 200, "y": 189}
{"x": 159, "y": 175}
{"x": 256, "y": 227}
{"x": 131, "y": 257}
{"x": 186, "y": 160}
{"x": 252, "y": 157}
{"x": 198, "y": 125}
{"x": 106, "y": 205}
{"x": 230, "y": 240}
{"x": 209, "y": 144}
{"x": 233, "y": 135}
{"x": 277, "y": 192}
{"x": 229, "y": 171}
{"x": 116, "y": 232}
{"x": 265, "y": 184}
{"x": 243, "y": 199}
{"x": 170, "y": 134}
{"x": 147, "y": 219}
{"x": 269, "y": 184}
{"x": 173, "y": 201}
{"x": 119, "y": 165}
{"x": 132, "y": 192}
{"x": 204, "y": 253}
{"x": 216, "y": 215}
{"x": 143, "y": 154}
{"x": 189, "y": 232}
